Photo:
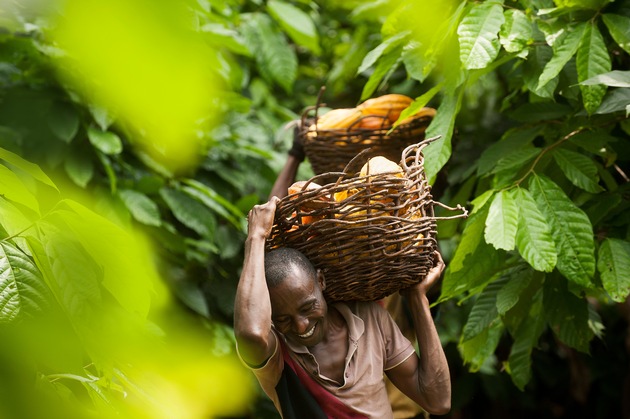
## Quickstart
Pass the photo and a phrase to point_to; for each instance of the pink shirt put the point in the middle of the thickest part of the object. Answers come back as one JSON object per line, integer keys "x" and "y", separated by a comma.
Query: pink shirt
{"x": 375, "y": 345}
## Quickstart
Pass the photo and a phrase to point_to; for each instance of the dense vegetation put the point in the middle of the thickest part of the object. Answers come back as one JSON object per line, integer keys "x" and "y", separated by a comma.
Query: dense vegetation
{"x": 533, "y": 100}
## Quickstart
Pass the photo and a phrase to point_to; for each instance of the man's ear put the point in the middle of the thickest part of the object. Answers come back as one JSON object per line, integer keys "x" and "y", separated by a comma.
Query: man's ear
{"x": 321, "y": 280}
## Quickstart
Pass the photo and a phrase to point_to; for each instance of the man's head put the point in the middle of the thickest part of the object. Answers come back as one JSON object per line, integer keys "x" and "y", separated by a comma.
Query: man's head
{"x": 299, "y": 310}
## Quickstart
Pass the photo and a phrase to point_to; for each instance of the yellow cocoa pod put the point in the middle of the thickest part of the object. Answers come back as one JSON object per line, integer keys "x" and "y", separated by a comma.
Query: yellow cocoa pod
{"x": 390, "y": 105}
{"x": 337, "y": 118}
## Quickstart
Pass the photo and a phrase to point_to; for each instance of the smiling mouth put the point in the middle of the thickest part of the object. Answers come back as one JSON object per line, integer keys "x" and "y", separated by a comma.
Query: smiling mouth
{"x": 308, "y": 334}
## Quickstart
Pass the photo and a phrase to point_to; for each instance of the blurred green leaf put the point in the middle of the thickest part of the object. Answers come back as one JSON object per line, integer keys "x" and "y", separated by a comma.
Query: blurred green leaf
{"x": 142, "y": 208}
{"x": 63, "y": 122}
{"x": 189, "y": 211}
{"x": 32, "y": 169}
{"x": 619, "y": 28}
{"x": 516, "y": 32}
{"x": 389, "y": 44}
{"x": 13, "y": 189}
{"x": 297, "y": 23}
{"x": 79, "y": 168}
{"x": 105, "y": 141}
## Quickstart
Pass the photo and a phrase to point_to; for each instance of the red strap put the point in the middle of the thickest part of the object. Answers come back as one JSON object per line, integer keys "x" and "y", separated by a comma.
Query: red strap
{"x": 331, "y": 405}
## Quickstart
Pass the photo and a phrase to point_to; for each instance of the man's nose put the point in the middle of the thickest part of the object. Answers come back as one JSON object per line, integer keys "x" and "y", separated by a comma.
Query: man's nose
{"x": 301, "y": 324}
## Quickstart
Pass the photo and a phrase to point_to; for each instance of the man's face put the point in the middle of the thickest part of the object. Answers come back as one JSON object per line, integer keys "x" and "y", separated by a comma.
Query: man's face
{"x": 299, "y": 308}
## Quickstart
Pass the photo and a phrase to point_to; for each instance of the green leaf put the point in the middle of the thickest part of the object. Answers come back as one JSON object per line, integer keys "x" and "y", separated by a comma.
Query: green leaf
{"x": 533, "y": 238}
{"x": 189, "y": 211}
{"x": 419, "y": 103}
{"x": 32, "y": 169}
{"x": 216, "y": 202}
{"x": 516, "y": 32}
{"x": 79, "y": 168}
{"x": 275, "y": 58}
{"x": 613, "y": 265}
{"x": 579, "y": 169}
{"x": 105, "y": 141}
{"x": 387, "y": 45}
{"x": 142, "y": 208}
{"x": 438, "y": 152}
{"x": 64, "y": 122}
{"x": 474, "y": 263}
{"x": 615, "y": 101}
{"x": 13, "y": 189}
{"x": 419, "y": 62}
{"x": 571, "y": 230}
{"x": 536, "y": 112}
{"x": 619, "y": 28}
{"x": 484, "y": 312}
{"x": 385, "y": 67}
{"x": 477, "y": 350}
{"x": 562, "y": 53}
{"x": 581, "y": 4}
{"x": 567, "y": 314}
{"x": 478, "y": 35}
{"x": 23, "y": 292}
{"x": 614, "y": 78}
{"x": 296, "y": 23}
{"x": 525, "y": 339}
{"x": 220, "y": 35}
{"x": 515, "y": 159}
{"x": 512, "y": 139}
{"x": 592, "y": 59}
{"x": 502, "y": 220}
{"x": 537, "y": 59}
{"x": 517, "y": 280}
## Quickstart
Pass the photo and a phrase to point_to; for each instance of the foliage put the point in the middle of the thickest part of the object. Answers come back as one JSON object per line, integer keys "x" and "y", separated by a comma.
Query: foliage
{"x": 532, "y": 100}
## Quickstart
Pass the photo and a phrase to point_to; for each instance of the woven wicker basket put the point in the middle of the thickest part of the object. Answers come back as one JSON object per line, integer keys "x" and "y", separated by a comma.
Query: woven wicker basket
{"x": 330, "y": 150}
{"x": 377, "y": 240}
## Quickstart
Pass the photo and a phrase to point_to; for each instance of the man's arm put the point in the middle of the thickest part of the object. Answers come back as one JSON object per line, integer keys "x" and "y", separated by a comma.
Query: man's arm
{"x": 287, "y": 175}
{"x": 252, "y": 307}
{"x": 425, "y": 379}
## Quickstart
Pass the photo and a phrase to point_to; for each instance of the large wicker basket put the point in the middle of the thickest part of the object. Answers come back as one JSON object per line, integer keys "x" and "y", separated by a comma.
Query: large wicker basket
{"x": 330, "y": 150}
{"x": 377, "y": 240}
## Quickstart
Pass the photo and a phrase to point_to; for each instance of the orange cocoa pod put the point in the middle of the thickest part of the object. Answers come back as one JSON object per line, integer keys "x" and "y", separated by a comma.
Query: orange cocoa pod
{"x": 338, "y": 118}
{"x": 374, "y": 122}
{"x": 390, "y": 105}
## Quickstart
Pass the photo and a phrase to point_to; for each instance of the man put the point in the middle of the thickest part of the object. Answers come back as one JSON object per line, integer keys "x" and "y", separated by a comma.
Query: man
{"x": 282, "y": 320}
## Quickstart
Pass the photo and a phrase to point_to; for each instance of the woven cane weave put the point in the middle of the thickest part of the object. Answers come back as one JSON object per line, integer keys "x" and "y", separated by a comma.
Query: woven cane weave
{"x": 330, "y": 150}
{"x": 371, "y": 235}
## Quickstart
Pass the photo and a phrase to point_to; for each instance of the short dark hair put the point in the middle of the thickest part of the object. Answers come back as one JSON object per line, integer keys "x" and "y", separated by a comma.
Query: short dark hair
{"x": 280, "y": 262}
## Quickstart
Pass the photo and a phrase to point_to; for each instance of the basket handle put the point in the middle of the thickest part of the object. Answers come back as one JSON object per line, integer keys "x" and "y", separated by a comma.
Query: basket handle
{"x": 464, "y": 211}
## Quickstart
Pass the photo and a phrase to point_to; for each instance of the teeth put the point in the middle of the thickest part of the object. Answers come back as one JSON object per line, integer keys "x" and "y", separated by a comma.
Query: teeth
{"x": 308, "y": 334}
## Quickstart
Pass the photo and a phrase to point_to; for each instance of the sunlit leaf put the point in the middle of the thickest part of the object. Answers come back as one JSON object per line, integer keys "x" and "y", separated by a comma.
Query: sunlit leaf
{"x": 567, "y": 314}
{"x": 141, "y": 207}
{"x": 384, "y": 68}
{"x": 297, "y": 23}
{"x": 13, "y": 189}
{"x": 571, "y": 230}
{"x": 592, "y": 59}
{"x": 619, "y": 28}
{"x": 533, "y": 238}
{"x": 562, "y": 53}
{"x": 438, "y": 152}
{"x": 23, "y": 292}
{"x": 105, "y": 141}
{"x": 613, "y": 265}
{"x": 579, "y": 169}
{"x": 614, "y": 78}
{"x": 516, "y": 33}
{"x": 581, "y": 4}
{"x": 502, "y": 221}
{"x": 478, "y": 34}
{"x": 32, "y": 169}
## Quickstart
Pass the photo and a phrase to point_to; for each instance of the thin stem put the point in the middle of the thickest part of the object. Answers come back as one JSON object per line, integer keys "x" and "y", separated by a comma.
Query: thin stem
{"x": 544, "y": 151}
